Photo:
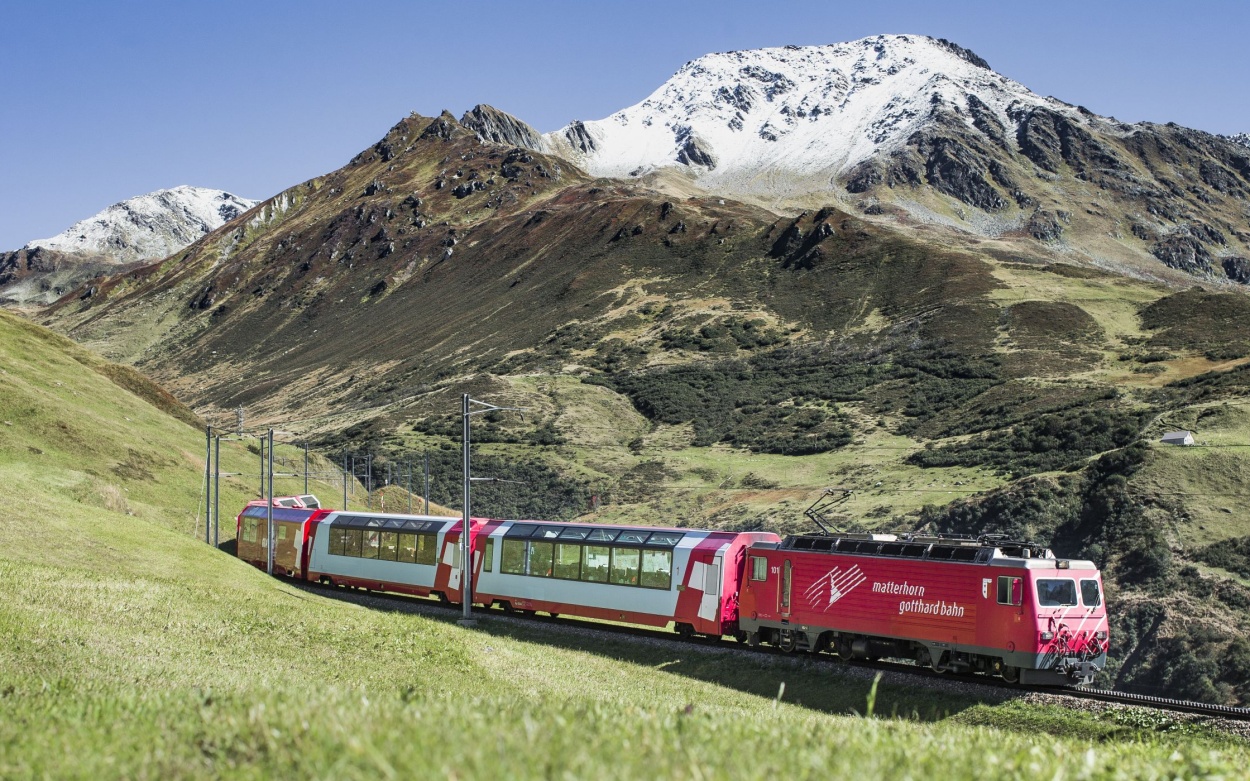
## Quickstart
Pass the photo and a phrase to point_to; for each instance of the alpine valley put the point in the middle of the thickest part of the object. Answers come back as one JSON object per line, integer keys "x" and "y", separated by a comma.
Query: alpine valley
{"x": 878, "y": 265}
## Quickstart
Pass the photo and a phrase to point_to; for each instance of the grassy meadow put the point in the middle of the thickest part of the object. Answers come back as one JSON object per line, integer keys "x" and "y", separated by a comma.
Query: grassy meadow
{"x": 129, "y": 649}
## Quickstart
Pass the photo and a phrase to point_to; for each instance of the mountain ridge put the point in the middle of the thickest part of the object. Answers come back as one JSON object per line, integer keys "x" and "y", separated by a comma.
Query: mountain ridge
{"x": 148, "y": 226}
{"x": 921, "y": 131}
{"x": 124, "y": 235}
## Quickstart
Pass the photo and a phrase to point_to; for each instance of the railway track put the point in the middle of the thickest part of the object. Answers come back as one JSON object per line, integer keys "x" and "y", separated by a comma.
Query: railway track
{"x": 419, "y": 604}
{"x": 1161, "y": 703}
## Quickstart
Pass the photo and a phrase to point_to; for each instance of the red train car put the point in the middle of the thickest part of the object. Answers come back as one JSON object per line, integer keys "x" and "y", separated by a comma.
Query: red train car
{"x": 294, "y": 526}
{"x": 1009, "y": 609}
{"x": 650, "y": 576}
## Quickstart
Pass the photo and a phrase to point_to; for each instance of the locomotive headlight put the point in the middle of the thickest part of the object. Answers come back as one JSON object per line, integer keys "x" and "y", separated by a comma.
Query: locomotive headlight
{"x": 1101, "y": 634}
{"x": 1047, "y": 636}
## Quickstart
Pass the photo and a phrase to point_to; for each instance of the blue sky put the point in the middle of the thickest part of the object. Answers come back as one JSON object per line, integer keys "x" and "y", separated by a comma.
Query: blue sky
{"x": 106, "y": 100}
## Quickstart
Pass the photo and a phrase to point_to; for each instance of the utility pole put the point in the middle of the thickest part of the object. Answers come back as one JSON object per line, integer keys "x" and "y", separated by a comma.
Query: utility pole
{"x": 262, "y": 466}
{"x": 466, "y": 528}
{"x": 208, "y": 479}
{"x": 427, "y": 483}
{"x": 344, "y": 479}
{"x": 409, "y": 486}
{"x": 369, "y": 480}
{"x": 305, "y": 467}
{"x": 217, "y": 490}
{"x": 269, "y": 508}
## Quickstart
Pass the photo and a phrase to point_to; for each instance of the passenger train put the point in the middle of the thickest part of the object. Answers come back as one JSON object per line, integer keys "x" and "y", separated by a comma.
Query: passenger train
{"x": 1007, "y": 609}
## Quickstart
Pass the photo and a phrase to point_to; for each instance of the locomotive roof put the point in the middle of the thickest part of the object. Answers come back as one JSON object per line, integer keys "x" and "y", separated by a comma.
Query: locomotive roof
{"x": 981, "y": 550}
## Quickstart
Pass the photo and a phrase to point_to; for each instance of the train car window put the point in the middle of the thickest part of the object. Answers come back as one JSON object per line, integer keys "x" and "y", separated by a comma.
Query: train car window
{"x": 1010, "y": 590}
{"x": 369, "y": 550}
{"x": 520, "y": 530}
{"x": 574, "y": 533}
{"x": 625, "y": 566}
{"x": 1091, "y": 595}
{"x": 568, "y": 563}
{"x": 427, "y": 549}
{"x": 547, "y": 533}
{"x": 540, "y": 558}
{"x": 602, "y": 535}
{"x": 759, "y": 568}
{"x": 489, "y": 553}
{"x": 595, "y": 560}
{"x": 336, "y": 541}
{"x": 667, "y": 539}
{"x": 408, "y": 547}
{"x": 657, "y": 569}
{"x": 1056, "y": 592}
{"x": 351, "y": 542}
{"x": 631, "y": 538}
{"x": 513, "y": 561}
{"x": 389, "y": 547}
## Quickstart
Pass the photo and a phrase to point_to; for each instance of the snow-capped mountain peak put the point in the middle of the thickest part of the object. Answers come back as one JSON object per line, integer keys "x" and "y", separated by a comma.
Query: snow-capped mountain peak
{"x": 1240, "y": 138}
{"x": 779, "y": 119}
{"x": 149, "y": 226}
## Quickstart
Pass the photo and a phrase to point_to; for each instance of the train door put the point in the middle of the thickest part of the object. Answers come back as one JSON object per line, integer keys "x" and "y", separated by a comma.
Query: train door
{"x": 783, "y": 595}
{"x": 710, "y": 610}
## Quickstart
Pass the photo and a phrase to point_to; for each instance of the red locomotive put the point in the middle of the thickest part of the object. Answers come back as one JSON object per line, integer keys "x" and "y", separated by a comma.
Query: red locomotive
{"x": 965, "y": 605}
{"x": 984, "y": 605}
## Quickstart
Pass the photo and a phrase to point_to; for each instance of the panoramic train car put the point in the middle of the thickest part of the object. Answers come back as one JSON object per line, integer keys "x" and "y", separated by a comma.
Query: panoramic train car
{"x": 408, "y": 554}
{"x": 293, "y": 526}
{"x": 1010, "y": 609}
{"x": 633, "y": 574}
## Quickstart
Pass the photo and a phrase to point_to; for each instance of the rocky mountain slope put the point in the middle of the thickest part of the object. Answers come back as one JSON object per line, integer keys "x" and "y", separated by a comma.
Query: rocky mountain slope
{"x": 139, "y": 229}
{"x": 706, "y": 360}
{"x": 922, "y": 130}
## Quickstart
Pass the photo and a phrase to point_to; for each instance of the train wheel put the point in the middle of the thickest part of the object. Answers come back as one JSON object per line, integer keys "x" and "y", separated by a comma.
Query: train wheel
{"x": 1011, "y": 674}
{"x": 940, "y": 666}
{"x": 787, "y": 643}
{"x": 505, "y": 606}
{"x": 685, "y": 631}
{"x": 844, "y": 649}
{"x": 741, "y": 636}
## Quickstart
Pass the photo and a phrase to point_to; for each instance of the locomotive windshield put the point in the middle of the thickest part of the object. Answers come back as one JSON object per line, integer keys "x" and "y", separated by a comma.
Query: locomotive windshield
{"x": 1056, "y": 592}
{"x": 1090, "y": 594}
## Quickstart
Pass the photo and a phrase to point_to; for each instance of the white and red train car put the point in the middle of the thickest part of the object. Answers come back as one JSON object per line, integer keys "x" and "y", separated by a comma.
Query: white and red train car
{"x": 651, "y": 576}
{"x": 1010, "y": 609}
{"x": 407, "y": 554}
